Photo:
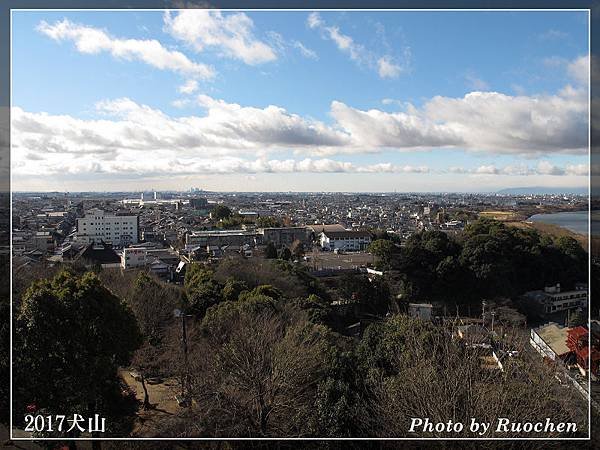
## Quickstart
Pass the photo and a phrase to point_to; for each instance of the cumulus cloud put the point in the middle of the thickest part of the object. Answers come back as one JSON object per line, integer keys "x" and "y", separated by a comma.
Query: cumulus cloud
{"x": 579, "y": 69}
{"x": 226, "y": 128}
{"x": 384, "y": 65}
{"x": 128, "y": 134}
{"x": 491, "y": 123}
{"x": 375, "y": 129}
{"x": 138, "y": 140}
{"x": 231, "y": 34}
{"x": 495, "y": 122}
{"x": 92, "y": 40}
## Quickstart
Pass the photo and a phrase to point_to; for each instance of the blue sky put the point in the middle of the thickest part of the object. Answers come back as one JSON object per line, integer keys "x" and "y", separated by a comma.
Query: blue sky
{"x": 372, "y": 101}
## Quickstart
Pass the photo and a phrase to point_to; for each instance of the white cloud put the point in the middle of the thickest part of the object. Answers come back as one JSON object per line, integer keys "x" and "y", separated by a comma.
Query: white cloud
{"x": 553, "y": 35}
{"x": 384, "y": 65}
{"x": 189, "y": 87}
{"x": 181, "y": 103}
{"x": 577, "y": 169}
{"x": 387, "y": 68}
{"x": 495, "y": 122}
{"x": 92, "y": 40}
{"x": 306, "y": 52}
{"x": 476, "y": 83}
{"x": 138, "y": 131}
{"x": 232, "y": 34}
{"x": 486, "y": 170}
{"x": 579, "y": 69}
{"x": 487, "y": 123}
{"x": 127, "y": 133}
{"x": 314, "y": 20}
{"x": 547, "y": 168}
{"x": 542, "y": 168}
{"x": 374, "y": 129}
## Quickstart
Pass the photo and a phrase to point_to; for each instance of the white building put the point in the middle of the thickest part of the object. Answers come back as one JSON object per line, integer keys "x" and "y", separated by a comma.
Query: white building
{"x": 550, "y": 340}
{"x": 119, "y": 230}
{"x": 345, "y": 240}
{"x": 552, "y": 299}
{"x": 133, "y": 257}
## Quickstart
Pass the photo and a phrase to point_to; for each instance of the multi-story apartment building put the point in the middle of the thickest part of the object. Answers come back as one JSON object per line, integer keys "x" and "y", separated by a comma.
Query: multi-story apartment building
{"x": 117, "y": 229}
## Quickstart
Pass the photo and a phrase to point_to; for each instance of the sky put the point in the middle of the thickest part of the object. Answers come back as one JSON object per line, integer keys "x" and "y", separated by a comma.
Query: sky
{"x": 299, "y": 100}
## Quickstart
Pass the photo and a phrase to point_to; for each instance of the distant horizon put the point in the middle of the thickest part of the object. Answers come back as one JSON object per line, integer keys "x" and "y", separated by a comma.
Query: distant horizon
{"x": 188, "y": 191}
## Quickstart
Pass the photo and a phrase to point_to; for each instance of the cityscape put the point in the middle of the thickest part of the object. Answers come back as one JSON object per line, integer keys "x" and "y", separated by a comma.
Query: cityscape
{"x": 349, "y": 253}
{"x": 300, "y": 224}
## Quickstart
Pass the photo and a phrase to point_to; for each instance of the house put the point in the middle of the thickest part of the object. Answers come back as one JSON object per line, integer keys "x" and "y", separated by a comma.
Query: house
{"x": 345, "y": 240}
{"x": 43, "y": 241}
{"x": 578, "y": 343}
{"x": 101, "y": 253}
{"x": 474, "y": 335}
{"x": 550, "y": 341}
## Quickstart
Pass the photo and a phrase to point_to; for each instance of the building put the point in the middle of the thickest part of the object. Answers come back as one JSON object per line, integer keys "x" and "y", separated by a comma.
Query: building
{"x": 133, "y": 257}
{"x": 119, "y": 229}
{"x": 345, "y": 240}
{"x": 552, "y": 299}
{"x": 578, "y": 343}
{"x": 321, "y": 228}
{"x": 285, "y": 236}
{"x": 98, "y": 254}
{"x": 220, "y": 238}
{"x": 198, "y": 203}
{"x": 43, "y": 241}
{"x": 550, "y": 341}
{"x": 423, "y": 311}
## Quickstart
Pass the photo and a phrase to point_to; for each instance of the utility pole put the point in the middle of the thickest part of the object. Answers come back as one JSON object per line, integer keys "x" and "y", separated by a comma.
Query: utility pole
{"x": 185, "y": 372}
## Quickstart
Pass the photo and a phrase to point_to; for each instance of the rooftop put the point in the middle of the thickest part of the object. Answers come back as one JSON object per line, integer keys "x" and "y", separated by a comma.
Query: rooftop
{"x": 555, "y": 336}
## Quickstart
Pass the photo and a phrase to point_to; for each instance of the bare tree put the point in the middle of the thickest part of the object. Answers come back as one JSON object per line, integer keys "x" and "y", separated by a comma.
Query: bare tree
{"x": 259, "y": 381}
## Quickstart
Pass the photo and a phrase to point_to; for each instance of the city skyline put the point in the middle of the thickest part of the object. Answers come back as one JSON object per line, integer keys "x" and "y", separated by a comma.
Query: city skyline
{"x": 299, "y": 101}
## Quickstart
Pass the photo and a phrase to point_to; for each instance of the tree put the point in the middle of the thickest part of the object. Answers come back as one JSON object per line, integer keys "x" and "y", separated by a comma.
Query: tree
{"x": 153, "y": 304}
{"x": 416, "y": 364}
{"x": 577, "y": 318}
{"x": 233, "y": 288}
{"x": 297, "y": 249}
{"x": 285, "y": 254}
{"x": 370, "y": 296}
{"x": 270, "y": 251}
{"x": 71, "y": 335}
{"x": 220, "y": 212}
{"x": 254, "y": 373}
{"x": 267, "y": 222}
{"x": 383, "y": 250}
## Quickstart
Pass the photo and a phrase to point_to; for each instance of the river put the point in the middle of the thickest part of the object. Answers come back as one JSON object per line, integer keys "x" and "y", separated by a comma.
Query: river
{"x": 576, "y": 221}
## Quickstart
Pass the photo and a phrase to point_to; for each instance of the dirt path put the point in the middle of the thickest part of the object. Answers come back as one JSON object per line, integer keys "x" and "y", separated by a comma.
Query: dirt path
{"x": 162, "y": 398}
